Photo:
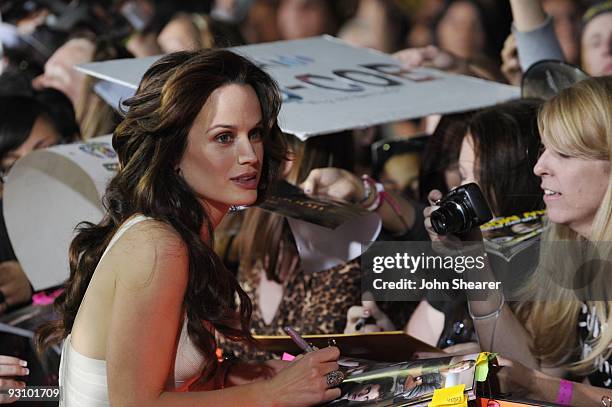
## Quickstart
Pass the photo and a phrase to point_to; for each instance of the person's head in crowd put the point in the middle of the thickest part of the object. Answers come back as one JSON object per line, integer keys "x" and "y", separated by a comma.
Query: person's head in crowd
{"x": 461, "y": 29}
{"x": 422, "y": 17}
{"x": 576, "y": 177}
{"x": 27, "y": 124}
{"x": 14, "y": 80}
{"x": 566, "y": 17}
{"x": 499, "y": 151}
{"x": 304, "y": 156}
{"x": 305, "y": 18}
{"x": 186, "y": 32}
{"x": 575, "y": 165}
{"x": 260, "y": 24}
{"x": 378, "y": 24}
{"x": 439, "y": 163}
{"x": 61, "y": 112}
{"x": 200, "y": 135}
{"x": 596, "y": 39}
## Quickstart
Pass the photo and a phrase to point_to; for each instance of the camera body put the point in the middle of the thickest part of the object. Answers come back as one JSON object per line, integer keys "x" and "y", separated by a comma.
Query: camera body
{"x": 460, "y": 210}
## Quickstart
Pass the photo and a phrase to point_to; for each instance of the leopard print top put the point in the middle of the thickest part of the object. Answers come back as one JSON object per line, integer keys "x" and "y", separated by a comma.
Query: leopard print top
{"x": 312, "y": 303}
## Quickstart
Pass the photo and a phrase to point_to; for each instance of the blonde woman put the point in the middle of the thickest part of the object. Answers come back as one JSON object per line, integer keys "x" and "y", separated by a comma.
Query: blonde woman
{"x": 560, "y": 332}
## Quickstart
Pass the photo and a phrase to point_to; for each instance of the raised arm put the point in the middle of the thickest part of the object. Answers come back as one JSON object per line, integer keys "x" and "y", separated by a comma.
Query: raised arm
{"x": 398, "y": 214}
{"x": 534, "y": 32}
{"x": 528, "y": 14}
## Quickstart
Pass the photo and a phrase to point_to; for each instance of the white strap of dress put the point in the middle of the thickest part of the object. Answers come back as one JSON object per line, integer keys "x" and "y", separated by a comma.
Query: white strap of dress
{"x": 126, "y": 225}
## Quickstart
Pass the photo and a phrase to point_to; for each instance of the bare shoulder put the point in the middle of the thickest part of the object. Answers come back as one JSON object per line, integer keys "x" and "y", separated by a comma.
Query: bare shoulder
{"x": 149, "y": 252}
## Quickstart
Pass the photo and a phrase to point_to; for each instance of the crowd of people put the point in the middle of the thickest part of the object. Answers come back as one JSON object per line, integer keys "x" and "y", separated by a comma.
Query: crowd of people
{"x": 165, "y": 293}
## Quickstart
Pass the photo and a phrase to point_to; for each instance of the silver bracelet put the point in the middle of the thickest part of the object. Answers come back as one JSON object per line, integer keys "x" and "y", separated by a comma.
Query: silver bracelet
{"x": 495, "y": 313}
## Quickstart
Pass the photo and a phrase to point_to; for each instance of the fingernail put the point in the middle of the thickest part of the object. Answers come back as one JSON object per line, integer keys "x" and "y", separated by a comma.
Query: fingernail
{"x": 23, "y": 362}
{"x": 366, "y": 312}
{"x": 308, "y": 190}
{"x": 27, "y": 371}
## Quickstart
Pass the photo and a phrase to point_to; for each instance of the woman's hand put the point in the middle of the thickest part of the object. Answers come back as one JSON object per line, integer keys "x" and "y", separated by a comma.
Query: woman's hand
{"x": 14, "y": 285}
{"x": 429, "y": 56}
{"x": 516, "y": 378}
{"x": 440, "y": 243}
{"x": 335, "y": 183}
{"x": 303, "y": 382}
{"x": 446, "y": 243}
{"x": 368, "y": 309}
{"x": 10, "y": 368}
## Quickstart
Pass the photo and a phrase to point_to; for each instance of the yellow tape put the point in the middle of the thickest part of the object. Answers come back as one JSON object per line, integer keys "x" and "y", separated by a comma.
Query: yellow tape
{"x": 449, "y": 396}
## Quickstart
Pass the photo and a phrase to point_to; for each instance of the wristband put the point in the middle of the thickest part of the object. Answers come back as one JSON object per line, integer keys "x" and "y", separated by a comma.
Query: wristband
{"x": 495, "y": 313}
{"x": 377, "y": 187}
{"x": 367, "y": 190}
{"x": 566, "y": 390}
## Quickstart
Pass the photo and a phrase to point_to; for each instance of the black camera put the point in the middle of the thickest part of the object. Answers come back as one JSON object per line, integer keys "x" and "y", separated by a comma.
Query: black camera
{"x": 460, "y": 210}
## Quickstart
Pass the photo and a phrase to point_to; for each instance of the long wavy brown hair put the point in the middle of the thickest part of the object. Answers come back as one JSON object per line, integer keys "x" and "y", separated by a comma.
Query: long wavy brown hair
{"x": 149, "y": 143}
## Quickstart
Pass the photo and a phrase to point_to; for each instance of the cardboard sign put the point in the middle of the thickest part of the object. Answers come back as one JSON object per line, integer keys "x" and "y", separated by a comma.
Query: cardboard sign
{"x": 47, "y": 193}
{"x": 329, "y": 86}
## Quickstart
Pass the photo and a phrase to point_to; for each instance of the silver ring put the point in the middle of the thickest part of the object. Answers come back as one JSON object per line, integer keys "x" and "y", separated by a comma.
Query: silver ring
{"x": 334, "y": 379}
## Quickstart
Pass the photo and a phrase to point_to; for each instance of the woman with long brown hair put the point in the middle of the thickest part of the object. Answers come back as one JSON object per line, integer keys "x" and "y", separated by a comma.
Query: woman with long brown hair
{"x": 146, "y": 294}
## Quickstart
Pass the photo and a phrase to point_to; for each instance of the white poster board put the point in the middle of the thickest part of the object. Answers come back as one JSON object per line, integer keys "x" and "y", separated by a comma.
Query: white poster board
{"x": 330, "y": 86}
{"x": 46, "y": 194}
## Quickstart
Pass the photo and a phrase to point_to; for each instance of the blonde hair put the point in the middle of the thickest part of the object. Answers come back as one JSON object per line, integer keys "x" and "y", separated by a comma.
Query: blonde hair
{"x": 576, "y": 122}
{"x": 95, "y": 116}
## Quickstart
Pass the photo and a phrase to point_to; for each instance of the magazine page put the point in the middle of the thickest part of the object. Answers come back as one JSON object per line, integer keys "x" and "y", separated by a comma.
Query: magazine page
{"x": 507, "y": 236}
{"x": 290, "y": 201}
{"x": 410, "y": 383}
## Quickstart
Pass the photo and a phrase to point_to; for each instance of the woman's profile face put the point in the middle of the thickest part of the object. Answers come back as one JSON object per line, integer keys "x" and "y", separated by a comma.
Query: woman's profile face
{"x": 224, "y": 155}
{"x": 597, "y": 46}
{"x": 573, "y": 188}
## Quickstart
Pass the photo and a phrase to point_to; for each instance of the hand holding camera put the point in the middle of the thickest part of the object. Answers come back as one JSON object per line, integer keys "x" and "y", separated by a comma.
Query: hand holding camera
{"x": 456, "y": 216}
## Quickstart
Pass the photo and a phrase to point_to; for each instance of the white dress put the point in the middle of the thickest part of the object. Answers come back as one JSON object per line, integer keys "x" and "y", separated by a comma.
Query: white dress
{"x": 83, "y": 379}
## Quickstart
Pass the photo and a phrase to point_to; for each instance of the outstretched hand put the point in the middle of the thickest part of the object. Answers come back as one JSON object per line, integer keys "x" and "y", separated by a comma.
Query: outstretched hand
{"x": 429, "y": 56}
{"x": 334, "y": 183}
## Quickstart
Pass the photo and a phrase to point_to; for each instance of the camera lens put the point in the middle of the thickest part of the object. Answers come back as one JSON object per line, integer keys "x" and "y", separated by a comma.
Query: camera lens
{"x": 450, "y": 218}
